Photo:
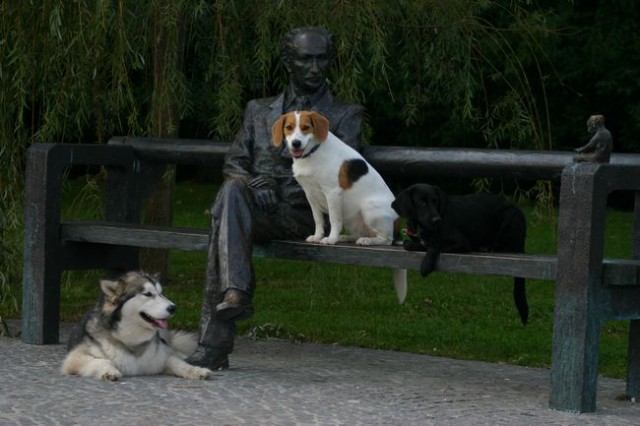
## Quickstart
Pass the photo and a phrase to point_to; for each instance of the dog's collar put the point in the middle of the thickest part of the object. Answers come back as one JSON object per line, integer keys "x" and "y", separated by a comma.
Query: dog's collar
{"x": 311, "y": 151}
{"x": 410, "y": 232}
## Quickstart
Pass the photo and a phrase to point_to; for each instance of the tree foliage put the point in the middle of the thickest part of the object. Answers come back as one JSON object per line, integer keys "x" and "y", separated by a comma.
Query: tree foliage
{"x": 467, "y": 73}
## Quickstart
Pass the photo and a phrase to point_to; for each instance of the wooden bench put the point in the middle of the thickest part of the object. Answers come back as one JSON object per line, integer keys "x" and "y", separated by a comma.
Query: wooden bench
{"x": 589, "y": 291}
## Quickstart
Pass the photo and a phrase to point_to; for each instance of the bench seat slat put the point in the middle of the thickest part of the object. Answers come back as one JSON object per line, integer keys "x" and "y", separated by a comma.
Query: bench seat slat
{"x": 527, "y": 266}
{"x": 618, "y": 272}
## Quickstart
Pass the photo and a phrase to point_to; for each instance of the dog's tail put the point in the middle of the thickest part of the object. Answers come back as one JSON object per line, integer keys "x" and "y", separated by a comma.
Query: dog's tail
{"x": 514, "y": 224}
{"x": 520, "y": 299}
{"x": 400, "y": 283}
{"x": 183, "y": 342}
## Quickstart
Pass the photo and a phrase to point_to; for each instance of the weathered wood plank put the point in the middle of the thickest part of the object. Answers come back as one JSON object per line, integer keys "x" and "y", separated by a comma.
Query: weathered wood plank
{"x": 391, "y": 161}
{"x": 119, "y": 233}
{"x": 175, "y": 151}
{"x": 621, "y": 272}
{"x": 505, "y": 264}
{"x": 616, "y": 272}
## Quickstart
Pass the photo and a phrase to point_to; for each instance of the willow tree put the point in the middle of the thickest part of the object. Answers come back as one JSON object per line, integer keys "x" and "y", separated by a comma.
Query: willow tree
{"x": 460, "y": 72}
{"x": 81, "y": 72}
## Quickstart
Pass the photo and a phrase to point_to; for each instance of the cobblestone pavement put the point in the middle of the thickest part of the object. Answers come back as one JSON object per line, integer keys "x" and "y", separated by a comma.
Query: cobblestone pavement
{"x": 276, "y": 382}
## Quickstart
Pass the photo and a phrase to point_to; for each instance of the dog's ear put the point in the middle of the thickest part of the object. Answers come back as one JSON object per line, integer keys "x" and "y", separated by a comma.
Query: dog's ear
{"x": 111, "y": 288}
{"x": 277, "y": 131}
{"x": 442, "y": 199}
{"x": 403, "y": 204}
{"x": 320, "y": 125}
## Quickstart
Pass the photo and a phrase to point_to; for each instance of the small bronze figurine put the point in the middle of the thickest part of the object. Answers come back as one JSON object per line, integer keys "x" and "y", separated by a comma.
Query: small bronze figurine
{"x": 599, "y": 148}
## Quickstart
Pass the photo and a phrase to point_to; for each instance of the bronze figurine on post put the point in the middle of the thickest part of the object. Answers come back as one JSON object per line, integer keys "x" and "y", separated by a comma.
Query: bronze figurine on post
{"x": 598, "y": 150}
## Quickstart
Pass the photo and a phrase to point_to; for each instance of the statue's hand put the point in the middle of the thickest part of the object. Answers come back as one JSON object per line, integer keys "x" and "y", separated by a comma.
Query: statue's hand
{"x": 261, "y": 182}
{"x": 264, "y": 192}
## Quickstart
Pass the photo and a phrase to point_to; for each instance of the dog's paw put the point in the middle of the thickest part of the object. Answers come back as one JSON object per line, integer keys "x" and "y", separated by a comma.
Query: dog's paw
{"x": 364, "y": 241}
{"x": 198, "y": 373}
{"x": 428, "y": 265}
{"x": 373, "y": 241}
{"x": 314, "y": 238}
{"x": 413, "y": 245}
{"x": 329, "y": 240}
{"x": 111, "y": 375}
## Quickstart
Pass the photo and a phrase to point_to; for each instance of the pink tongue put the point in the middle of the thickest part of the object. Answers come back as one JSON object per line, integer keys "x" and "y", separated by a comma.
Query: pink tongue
{"x": 162, "y": 323}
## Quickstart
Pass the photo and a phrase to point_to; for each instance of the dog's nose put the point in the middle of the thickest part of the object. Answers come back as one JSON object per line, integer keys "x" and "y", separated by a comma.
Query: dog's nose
{"x": 296, "y": 143}
{"x": 171, "y": 309}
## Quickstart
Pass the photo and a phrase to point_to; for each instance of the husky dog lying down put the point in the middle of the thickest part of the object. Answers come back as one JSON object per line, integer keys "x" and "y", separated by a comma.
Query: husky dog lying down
{"x": 126, "y": 333}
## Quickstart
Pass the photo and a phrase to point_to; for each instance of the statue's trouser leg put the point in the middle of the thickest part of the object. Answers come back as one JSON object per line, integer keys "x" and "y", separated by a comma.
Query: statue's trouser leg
{"x": 229, "y": 261}
{"x": 233, "y": 215}
{"x": 236, "y": 224}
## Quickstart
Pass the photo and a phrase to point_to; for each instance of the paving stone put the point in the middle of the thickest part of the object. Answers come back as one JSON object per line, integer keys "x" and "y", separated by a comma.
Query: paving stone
{"x": 277, "y": 382}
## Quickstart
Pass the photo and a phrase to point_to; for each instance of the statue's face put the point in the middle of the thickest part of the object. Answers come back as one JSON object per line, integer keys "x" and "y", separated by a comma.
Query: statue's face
{"x": 593, "y": 123}
{"x": 309, "y": 62}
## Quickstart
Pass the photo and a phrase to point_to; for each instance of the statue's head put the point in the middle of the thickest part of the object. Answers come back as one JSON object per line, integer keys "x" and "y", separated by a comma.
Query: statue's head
{"x": 595, "y": 122}
{"x": 307, "y": 54}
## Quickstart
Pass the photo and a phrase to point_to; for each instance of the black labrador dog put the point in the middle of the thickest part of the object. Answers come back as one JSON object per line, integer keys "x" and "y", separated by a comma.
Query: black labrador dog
{"x": 437, "y": 222}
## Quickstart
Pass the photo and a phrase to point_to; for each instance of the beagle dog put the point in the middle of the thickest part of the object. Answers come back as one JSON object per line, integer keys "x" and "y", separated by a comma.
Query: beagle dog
{"x": 337, "y": 181}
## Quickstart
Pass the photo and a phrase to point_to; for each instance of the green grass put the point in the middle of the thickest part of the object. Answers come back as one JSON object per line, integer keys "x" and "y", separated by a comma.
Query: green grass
{"x": 454, "y": 315}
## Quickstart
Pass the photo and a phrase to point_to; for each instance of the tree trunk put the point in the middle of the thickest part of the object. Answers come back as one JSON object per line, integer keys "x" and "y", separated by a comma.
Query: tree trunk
{"x": 159, "y": 204}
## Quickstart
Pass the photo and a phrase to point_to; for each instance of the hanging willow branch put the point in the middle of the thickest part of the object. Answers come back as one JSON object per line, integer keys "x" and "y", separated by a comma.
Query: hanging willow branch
{"x": 462, "y": 72}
